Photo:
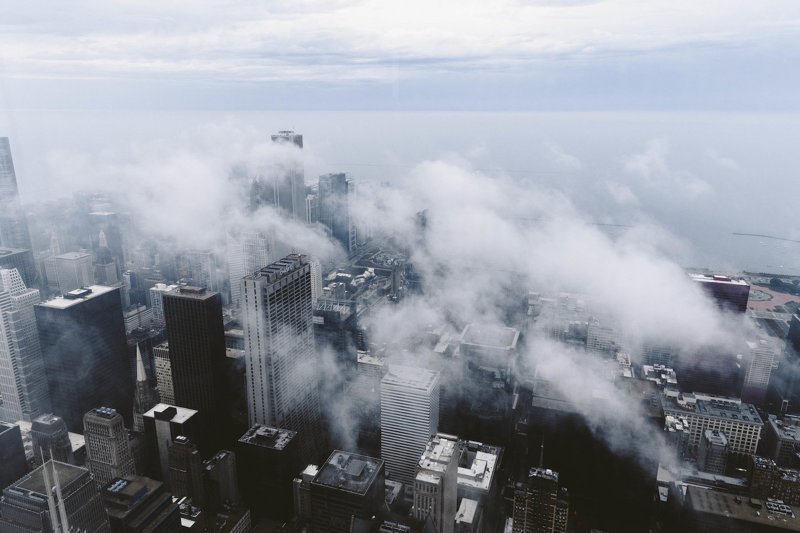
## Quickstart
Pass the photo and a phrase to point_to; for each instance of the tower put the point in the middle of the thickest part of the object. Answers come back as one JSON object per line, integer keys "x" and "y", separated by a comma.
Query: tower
{"x": 247, "y": 252}
{"x": 162, "y": 425}
{"x": 51, "y": 439}
{"x": 145, "y": 397}
{"x": 763, "y": 355}
{"x": 12, "y": 454}
{"x": 107, "y": 447}
{"x": 539, "y": 504}
{"x": 288, "y": 184}
{"x": 85, "y": 353}
{"x": 335, "y": 192}
{"x": 197, "y": 357}
{"x": 409, "y": 416}
{"x": 279, "y": 351}
{"x": 436, "y": 482}
{"x": 23, "y": 384}
{"x": 13, "y": 226}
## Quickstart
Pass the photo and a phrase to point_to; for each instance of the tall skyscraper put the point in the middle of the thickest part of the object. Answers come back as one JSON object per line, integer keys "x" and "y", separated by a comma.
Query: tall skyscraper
{"x": 335, "y": 196}
{"x": 540, "y": 505}
{"x": 287, "y": 189}
{"x": 8, "y": 178}
{"x": 186, "y": 471}
{"x": 51, "y": 439}
{"x": 23, "y": 383}
{"x": 54, "y": 498}
{"x": 436, "y": 482}
{"x": 409, "y": 416}
{"x": 108, "y": 450}
{"x": 12, "y": 454}
{"x": 74, "y": 271}
{"x": 247, "y": 252}
{"x": 145, "y": 398}
{"x": 763, "y": 358}
{"x": 162, "y": 425}
{"x": 197, "y": 358}
{"x": 85, "y": 353}
{"x": 280, "y": 353}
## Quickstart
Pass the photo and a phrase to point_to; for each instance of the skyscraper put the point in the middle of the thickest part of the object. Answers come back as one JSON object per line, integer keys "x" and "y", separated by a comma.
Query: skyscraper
{"x": 22, "y": 260}
{"x": 540, "y": 505}
{"x": 280, "y": 353}
{"x": 157, "y": 292}
{"x": 335, "y": 195}
{"x": 13, "y": 226}
{"x": 166, "y": 392}
{"x": 409, "y": 416}
{"x": 23, "y": 384}
{"x": 197, "y": 358}
{"x": 186, "y": 471}
{"x": 85, "y": 353}
{"x": 12, "y": 454}
{"x": 51, "y": 439}
{"x": 108, "y": 450}
{"x": 162, "y": 425}
{"x": 137, "y": 503}
{"x": 288, "y": 189}
{"x": 436, "y": 482}
{"x": 247, "y": 252}
{"x": 74, "y": 271}
{"x": 763, "y": 356}
{"x": 8, "y": 178}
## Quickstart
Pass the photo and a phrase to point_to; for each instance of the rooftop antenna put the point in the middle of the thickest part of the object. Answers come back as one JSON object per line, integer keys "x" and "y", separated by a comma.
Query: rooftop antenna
{"x": 541, "y": 454}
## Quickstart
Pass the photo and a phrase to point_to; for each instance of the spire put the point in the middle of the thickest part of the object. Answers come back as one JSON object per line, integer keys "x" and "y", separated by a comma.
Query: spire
{"x": 102, "y": 242}
{"x": 541, "y": 454}
{"x": 140, "y": 373}
{"x": 48, "y": 487}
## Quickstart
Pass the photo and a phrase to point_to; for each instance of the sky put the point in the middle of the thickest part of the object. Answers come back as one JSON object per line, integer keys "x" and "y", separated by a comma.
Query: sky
{"x": 442, "y": 55}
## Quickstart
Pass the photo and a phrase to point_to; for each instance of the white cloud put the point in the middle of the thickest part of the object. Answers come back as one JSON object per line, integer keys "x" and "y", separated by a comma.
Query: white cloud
{"x": 560, "y": 158}
{"x": 723, "y": 161}
{"x": 621, "y": 193}
{"x": 653, "y": 169}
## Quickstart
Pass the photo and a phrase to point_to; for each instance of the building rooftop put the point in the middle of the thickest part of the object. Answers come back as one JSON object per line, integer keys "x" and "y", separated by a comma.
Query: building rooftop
{"x": 190, "y": 292}
{"x": 173, "y": 413}
{"x": 72, "y": 256}
{"x": 34, "y": 483}
{"x": 4, "y": 252}
{"x": 438, "y": 453}
{"x": 77, "y": 296}
{"x": 268, "y": 437}
{"x": 712, "y": 406}
{"x": 785, "y": 430}
{"x": 467, "y": 511}
{"x": 127, "y": 493}
{"x": 482, "y": 463}
{"x": 768, "y": 513}
{"x": 490, "y": 336}
{"x": 410, "y": 376}
{"x": 104, "y": 412}
{"x": 278, "y": 269}
{"x": 76, "y": 440}
{"x": 543, "y": 473}
{"x": 717, "y": 278}
{"x": 716, "y": 438}
{"x": 349, "y": 472}
{"x": 365, "y": 358}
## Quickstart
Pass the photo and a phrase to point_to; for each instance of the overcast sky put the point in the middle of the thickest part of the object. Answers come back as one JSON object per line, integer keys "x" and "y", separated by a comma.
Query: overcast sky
{"x": 421, "y": 54}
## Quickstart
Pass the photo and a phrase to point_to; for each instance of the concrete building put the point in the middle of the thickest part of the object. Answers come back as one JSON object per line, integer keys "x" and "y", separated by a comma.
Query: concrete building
{"x": 712, "y": 456}
{"x": 166, "y": 391}
{"x": 247, "y": 253}
{"x": 288, "y": 188}
{"x": 139, "y": 504}
{"x": 186, "y": 471}
{"x": 23, "y": 385}
{"x": 728, "y": 293}
{"x": 739, "y": 421}
{"x": 280, "y": 353}
{"x": 51, "y": 440}
{"x": 12, "y": 454}
{"x": 157, "y": 293}
{"x": 107, "y": 447}
{"x": 85, "y": 353}
{"x": 436, "y": 482}
{"x": 31, "y": 504}
{"x": 162, "y": 425}
{"x": 716, "y": 511}
{"x": 334, "y": 198}
{"x": 74, "y": 271}
{"x": 409, "y": 416}
{"x": 764, "y": 355}
{"x": 782, "y": 440}
{"x": 347, "y": 485}
{"x": 22, "y": 260}
{"x": 540, "y": 504}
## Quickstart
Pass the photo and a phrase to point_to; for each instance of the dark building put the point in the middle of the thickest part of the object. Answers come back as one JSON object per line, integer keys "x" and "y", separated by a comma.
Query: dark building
{"x": 268, "y": 459}
{"x": 714, "y": 511}
{"x": 139, "y": 504}
{"x": 50, "y": 439}
{"x": 728, "y": 293}
{"x": 12, "y": 454}
{"x": 335, "y": 328}
{"x": 85, "y": 353}
{"x": 30, "y": 505}
{"x": 220, "y": 481}
{"x": 334, "y": 208}
{"x": 162, "y": 425}
{"x": 197, "y": 357}
{"x": 22, "y": 260}
{"x": 346, "y": 486}
{"x": 540, "y": 504}
{"x": 186, "y": 470}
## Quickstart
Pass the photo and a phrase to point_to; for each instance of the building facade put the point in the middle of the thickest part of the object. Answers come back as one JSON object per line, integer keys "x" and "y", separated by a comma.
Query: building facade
{"x": 108, "y": 450}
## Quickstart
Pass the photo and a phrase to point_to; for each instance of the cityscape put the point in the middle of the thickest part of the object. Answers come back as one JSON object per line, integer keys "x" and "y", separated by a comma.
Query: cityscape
{"x": 227, "y": 327}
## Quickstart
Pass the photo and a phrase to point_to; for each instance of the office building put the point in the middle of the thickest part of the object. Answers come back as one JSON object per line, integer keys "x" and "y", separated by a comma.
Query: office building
{"x": 280, "y": 353}
{"x": 301, "y": 490}
{"x": 157, "y": 292}
{"x": 51, "y": 440}
{"x": 108, "y": 450}
{"x": 728, "y": 293}
{"x": 347, "y": 485}
{"x": 312, "y": 208}
{"x": 31, "y": 504}
{"x": 739, "y": 421}
{"x": 540, "y": 505}
{"x": 714, "y": 510}
{"x": 197, "y": 359}
{"x": 22, "y": 260}
{"x": 166, "y": 391}
{"x": 763, "y": 355}
{"x": 74, "y": 271}
{"x": 286, "y": 188}
{"x": 409, "y": 416}
{"x": 140, "y": 504}
{"x": 712, "y": 456}
{"x": 334, "y": 199}
{"x": 221, "y": 481}
{"x": 762, "y": 477}
{"x": 268, "y": 459}
{"x": 12, "y": 454}
{"x": 201, "y": 269}
{"x": 85, "y": 353}
{"x": 436, "y": 482}
{"x": 247, "y": 252}
{"x": 186, "y": 470}
{"x": 478, "y": 472}
{"x": 162, "y": 425}
{"x": 23, "y": 384}
{"x": 782, "y": 440}
{"x": 145, "y": 398}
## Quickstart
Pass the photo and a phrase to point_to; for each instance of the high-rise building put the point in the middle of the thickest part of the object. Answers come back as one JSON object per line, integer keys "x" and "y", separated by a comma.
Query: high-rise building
{"x": 409, "y": 416}
{"x": 107, "y": 448}
{"x": 782, "y": 440}
{"x": 540, "y": 505}
{"x": 301, "y": 490}
{"x": 13, "y": 226}
{"x": 54, "y": 498}
{"x": 247, "y": 252}
{"x": 145, "y": 398}
{"x": 346, "y": 486}
{"x": 201, "y": 267}
{"x": 51, "y": 440}
{"x": 712, "y": 455}
{"x": 166, "y": 391}
{"x": 335, "y": 196}
{"x": 162, "y": 425}
{"x": 280, "y": 353}
{"x": 22, "y": 260}
{"x": 23, "y": 384}
{"x": 85, "y": 353}
{"x": 285, "y": 188}
{"x": 157, "y": 292}
{"x": 74, "y": 271}
{"x": 140, "y": 504}
{"x": 764, "y": 354}
{"x": 268, "y": 459}
{"x": 197, "y": 358}
{"x": 220, "y": 481}
{"x": 436, "y": 482}
{"x": 728, "y": 293}
{"x": 8, "y": 178}
{"x": 12, "y": 454}
{"x": 186, "y": 470}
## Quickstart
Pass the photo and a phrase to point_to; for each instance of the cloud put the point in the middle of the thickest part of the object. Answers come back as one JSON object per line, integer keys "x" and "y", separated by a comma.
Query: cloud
{"x": 654, "y": 170}
{"x": 621, "y": 193}
{"x": 725, "y": 162}
{"x": 560, "y": 158}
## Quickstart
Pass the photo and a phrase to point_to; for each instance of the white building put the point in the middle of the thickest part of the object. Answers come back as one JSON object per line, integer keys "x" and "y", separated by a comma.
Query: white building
{"x": 157, "y": 299}
{"x": 247, "y": 252}
{"x": 763, "y": 359}
{"x": 74, "y": 270}
{"x": 409, "y": 417}
{"x": 23, "y": 386}
{"x": 436, "y": 482}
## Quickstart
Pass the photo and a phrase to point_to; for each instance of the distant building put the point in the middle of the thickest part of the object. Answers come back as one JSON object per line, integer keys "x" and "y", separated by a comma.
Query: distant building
{"x": 268, "y": 459}
{"x": 763, "y": 355}
{"x": 436, "y": 482}
{"x": 712, "y": 456}
{"x": 74, "y": 271}
{"x": 107, "y": 448}
{"x": 30, "y": 504}
{"x": 782, "y": 440}
{"x": 540, "y": 504}
{"x": 186, "y": 470}
{"x": 409, "y": 416}
{"x": 166, "y": 391}
{"x": 347, "y": 485}
{"x": 12, "y": 454}
{"x": 288, "y": 188}
{"x": 85, "y": 353}
{"x": 157, "y": 292}
{"x": 162, "y": 425}
{"x": 51, "y": 440}
{"x": 140, "y": 504}
{"x": 717, "y": 511}
{"x": 334, "y": 199}
{"x": 728, "y": 293}
{"x": 22, "y": 260}
{"x": 247, "y": 253}
{"x": 13, "y": 226}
